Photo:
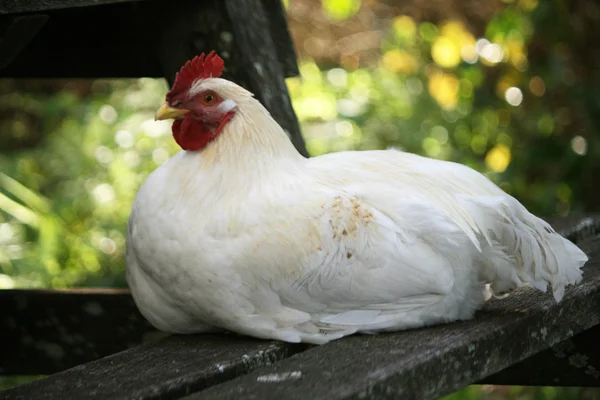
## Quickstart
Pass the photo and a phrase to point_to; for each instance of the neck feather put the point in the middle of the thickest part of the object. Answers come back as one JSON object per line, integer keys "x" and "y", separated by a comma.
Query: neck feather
{"x": 252, "y": 139}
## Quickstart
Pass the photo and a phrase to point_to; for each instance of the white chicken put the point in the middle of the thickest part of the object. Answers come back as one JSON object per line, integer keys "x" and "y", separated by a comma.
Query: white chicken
{"x": 240, "y": 232}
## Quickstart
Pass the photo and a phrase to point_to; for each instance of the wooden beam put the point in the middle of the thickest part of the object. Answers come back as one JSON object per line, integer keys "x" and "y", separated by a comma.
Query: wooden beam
{"x": 169, "y": 368}
{"x": 27, "y": 6}
{"x": 18, "y": 33}
{"x": 577, "y": 227}
{"x": 572, "y": 362}
{"x": 282, "y": 38}
{"x": 115, "y": 40}
{"x": 258, "y": 57}
{"x": 131, "y": 50}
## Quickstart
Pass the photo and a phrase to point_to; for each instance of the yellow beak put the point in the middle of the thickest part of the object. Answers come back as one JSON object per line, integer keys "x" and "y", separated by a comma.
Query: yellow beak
{"x": 166, "y": 112}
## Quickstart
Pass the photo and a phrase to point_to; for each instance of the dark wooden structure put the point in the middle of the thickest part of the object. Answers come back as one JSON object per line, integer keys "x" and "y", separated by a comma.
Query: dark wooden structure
{"x": 152, "y": 38}
{"x": 94, "y": 344}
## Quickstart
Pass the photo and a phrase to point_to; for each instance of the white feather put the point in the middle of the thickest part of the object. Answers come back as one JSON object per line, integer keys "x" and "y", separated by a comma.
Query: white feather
{"x": 227, "y": 105}
{"x": 247, "y": 235}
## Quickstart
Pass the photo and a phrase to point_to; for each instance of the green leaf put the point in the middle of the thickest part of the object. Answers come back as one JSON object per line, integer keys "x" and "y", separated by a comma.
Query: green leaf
{"x": 22, "y": 213}
{"x": 34, "y": 200}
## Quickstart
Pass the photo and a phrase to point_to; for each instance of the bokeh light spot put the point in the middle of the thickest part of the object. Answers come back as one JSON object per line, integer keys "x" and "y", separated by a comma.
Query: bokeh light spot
{"x": 579, "y": 145}
{"x": 513, "y": 96}
{"x": 498, "y": 158}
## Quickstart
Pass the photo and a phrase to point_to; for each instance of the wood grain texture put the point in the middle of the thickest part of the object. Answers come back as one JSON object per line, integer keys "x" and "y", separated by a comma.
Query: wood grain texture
{"x": 572, "y": 362}
{"x": 168, "y": 368}
{"x": 258, "y": 56}
{"x": 577, "y": 227}
{"x": 282, "y": 38}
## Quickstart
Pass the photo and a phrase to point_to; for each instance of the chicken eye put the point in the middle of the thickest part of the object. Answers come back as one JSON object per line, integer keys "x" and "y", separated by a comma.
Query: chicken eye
{"x": 209, "y": 99}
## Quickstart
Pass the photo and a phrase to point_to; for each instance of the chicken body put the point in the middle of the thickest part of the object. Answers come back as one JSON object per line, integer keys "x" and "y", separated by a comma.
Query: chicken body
{"x": 247, "y": 235}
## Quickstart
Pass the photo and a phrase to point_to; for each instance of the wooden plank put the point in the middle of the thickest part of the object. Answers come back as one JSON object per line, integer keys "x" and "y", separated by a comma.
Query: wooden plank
{"x": 428, "y": 363}
{"x": 169, "y": 368}
{"x": 126, "y": 50}
{"x": 258, "y": 56}
{"x": 274, "y": 8}
{"x": 131, "y": 50}
{"x": 197, "y": 27}
{"x": 572, "y": 362}
{"x": 577, "y": 227}
{"x": 282, "y": 38}
{"x": 46, "y": 331}
{"x": 18, "y": 34}
{"x": 26, "y": 6}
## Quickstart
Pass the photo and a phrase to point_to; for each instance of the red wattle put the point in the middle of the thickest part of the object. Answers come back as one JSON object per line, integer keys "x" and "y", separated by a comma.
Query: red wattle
{"x": 191, "y": 135}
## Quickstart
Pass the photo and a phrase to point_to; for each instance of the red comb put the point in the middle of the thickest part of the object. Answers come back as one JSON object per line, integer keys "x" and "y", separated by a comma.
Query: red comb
{"x": 199, "y": 67}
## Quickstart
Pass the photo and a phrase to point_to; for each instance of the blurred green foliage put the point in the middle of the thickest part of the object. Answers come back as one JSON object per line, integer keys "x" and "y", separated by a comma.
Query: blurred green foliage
{"x": 528, "y": 122}
{"x": 489, "y": 392}
{"x": 65, "y": 203}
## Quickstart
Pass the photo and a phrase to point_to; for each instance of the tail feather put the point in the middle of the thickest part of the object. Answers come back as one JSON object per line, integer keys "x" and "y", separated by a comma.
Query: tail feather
{"x": 520, "y": 248}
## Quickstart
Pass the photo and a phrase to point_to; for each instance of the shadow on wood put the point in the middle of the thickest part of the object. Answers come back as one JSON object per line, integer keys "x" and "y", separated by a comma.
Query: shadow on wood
{"x": 573, "y": 362}
{"x": 47, "y": 331}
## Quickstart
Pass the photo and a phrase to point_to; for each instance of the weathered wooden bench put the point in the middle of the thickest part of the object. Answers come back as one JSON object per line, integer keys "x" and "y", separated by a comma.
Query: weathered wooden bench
{"x": 94, "y": 344}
